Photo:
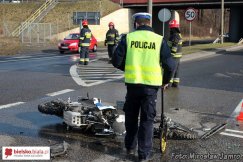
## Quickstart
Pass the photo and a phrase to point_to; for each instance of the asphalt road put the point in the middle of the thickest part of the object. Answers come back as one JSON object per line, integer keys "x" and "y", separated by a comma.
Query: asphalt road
{"x": 210, "y": 93}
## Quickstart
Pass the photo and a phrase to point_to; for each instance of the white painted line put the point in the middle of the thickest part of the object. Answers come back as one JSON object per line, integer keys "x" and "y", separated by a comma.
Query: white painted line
{"x": 75, "y": 76}
{"x": 79, "y": 81}
{"x": 232, "y": 135}
{"x": 237, "y": 110}
{"x": 99, "y": 69}
{"x": 31, "y": 59}
{"x": 95, "y": 72}
{"x": 60, "y": 92}
{"x": 91, "y": 75}
{"x": 235, "y": 131}
{"x": 104, "y": 81}
{"x": 23, "y": 57}
{"x": 10, "y": 105}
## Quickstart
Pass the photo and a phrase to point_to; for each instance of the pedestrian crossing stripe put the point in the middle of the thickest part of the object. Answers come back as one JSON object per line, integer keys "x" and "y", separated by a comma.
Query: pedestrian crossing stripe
{"x": 95, "y": 74}
{"x": 232, "y": 133}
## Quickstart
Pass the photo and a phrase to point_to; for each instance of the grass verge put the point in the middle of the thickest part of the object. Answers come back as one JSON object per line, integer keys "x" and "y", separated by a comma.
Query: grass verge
{"x": 204, "y": 47}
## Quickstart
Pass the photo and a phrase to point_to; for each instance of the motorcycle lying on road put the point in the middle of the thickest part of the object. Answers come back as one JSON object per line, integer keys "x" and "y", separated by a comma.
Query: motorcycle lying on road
{"x": 87, "y": 114}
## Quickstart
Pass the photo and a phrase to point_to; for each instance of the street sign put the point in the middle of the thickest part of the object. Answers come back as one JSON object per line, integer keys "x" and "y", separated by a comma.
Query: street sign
{"x": 164, "y": 15}
{"x": 190, "y": 14}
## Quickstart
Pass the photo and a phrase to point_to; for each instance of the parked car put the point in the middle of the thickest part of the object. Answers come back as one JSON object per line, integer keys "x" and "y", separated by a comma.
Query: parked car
{"x": 70, "y": 43}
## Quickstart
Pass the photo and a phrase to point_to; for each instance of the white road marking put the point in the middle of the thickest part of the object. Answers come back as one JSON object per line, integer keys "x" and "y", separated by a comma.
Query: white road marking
{"x": 222, "y": 75}
{"x": 11, "y": 105}
{"x": 235, "y": 131}
{"x": 60, "y": 92}
{"x": 235, "y": 74}
{"x": 104, "y": 81}
{"x": 237, "y": 110}
{"x": 231, "y": 134}
{"x": 95, "y": 72}
{"x": 94, "y": 75}
{"x": 34, "y": 58}
{"x": 75, "y": 76}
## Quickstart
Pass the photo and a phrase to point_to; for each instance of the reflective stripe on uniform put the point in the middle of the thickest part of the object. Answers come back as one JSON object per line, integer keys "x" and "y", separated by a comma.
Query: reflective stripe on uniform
{"x": 81, "y": 60}
{"x": 174, "y": 49}
{"x": 85, "y": 44}
{"x": 86, "y": 59}
{"x": 110, "y": 42}
{"x": 177, "y": 55}
{"x": 176, "y": 80}
{"x": 111, "y": 35}
{"x": 88, "y": 34}
{"x": 81, "y": 38}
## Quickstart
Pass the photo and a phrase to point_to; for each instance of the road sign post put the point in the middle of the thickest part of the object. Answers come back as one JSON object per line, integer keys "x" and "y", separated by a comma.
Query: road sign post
{"x": 190, "y": 15}
{"x": 164, "y": 15}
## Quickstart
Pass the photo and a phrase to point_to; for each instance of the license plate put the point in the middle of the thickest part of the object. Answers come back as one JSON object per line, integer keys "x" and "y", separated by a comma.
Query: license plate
{"x": 64, "y": 47}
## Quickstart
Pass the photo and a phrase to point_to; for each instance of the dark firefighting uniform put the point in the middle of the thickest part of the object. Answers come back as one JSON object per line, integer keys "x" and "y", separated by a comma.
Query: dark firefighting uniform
{"x": 111, "y": 40}
{"x": 175, "y": 44}
{"x": 140, "y": 55}
{"x": 84, "y": 42}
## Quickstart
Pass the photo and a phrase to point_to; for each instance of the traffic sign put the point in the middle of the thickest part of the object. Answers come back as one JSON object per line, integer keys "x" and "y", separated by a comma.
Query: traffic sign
{"x": 164, "y": 15}
{"x": 190, "y": 14}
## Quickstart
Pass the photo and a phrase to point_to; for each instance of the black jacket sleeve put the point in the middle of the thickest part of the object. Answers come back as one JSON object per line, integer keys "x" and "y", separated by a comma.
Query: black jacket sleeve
{"x": 119, "y": 55}
{"x": 167, "y": 62}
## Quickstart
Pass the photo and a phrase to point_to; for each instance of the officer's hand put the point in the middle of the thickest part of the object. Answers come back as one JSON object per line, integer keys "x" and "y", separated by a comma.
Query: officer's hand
{"x": 165, "y": 86}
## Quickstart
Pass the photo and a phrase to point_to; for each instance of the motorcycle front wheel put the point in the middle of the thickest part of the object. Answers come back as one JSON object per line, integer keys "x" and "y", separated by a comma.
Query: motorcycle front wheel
{"x": 163, "y": 140}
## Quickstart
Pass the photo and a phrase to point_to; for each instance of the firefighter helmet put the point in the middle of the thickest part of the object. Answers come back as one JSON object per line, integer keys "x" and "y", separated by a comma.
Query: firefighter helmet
{"x": 84, "y": 22}
{"x": 174, "y": 24}
{"x": 111, "y": 24}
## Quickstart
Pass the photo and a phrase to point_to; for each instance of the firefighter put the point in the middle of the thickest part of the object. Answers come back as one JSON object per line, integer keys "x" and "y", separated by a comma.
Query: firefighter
{"x": 140, "y": 54}
{"x": 175, "y": 44}
{"x": 111, "y": 40}
{"x": 84, "y": 42}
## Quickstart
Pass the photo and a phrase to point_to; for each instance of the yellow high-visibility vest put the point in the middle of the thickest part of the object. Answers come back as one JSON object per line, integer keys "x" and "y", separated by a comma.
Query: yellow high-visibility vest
{"x": 143, "y": 58}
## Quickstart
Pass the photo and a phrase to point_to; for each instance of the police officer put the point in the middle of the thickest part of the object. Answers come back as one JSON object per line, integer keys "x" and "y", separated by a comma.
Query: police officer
{"x": 175, "y": 44}
{"x": 84, "y": 42}
{"x": 140, "y": 54}
{"x": 111, "y": 40}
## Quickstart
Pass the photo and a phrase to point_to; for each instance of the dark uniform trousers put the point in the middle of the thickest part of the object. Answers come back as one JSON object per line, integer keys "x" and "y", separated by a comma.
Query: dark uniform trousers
{"x": 175, "y": 74}
{"x": 143, "y": 99}
{"x": 111, "y": 49}
{"x": 84, "y": 55}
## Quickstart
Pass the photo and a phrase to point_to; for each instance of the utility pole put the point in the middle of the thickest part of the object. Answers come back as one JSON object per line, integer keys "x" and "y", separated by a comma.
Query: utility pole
{"x": 150, "y": 9}
{"x": 222, "y": 21}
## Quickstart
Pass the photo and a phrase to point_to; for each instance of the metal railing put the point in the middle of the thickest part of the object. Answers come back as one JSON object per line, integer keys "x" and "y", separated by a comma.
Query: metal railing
{"x": 33, "y": 17}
